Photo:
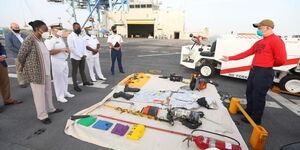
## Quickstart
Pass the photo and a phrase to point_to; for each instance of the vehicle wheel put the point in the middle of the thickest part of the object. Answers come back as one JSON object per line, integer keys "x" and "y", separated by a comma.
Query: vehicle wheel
{"x": 290, "y": 83}
{"x": 206, "y": 70}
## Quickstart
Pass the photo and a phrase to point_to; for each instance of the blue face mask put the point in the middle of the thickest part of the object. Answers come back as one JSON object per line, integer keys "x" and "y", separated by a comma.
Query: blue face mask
{"x": 259, "y": 32}
{"x": 90, "y": 32}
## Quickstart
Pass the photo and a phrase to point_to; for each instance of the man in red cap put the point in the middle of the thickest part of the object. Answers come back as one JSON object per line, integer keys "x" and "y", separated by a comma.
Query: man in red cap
{"x": 268, "y": 52}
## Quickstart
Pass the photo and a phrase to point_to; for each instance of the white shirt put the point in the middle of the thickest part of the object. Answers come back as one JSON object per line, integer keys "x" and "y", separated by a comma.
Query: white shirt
{"x": 92, "y": 42}
{"x": 56, "y": 43}
{"x": 77, "y": 46}
{"x": 46, "y": 57}
{"x": 18, "y": 35}
{"x": 114, "y": 38}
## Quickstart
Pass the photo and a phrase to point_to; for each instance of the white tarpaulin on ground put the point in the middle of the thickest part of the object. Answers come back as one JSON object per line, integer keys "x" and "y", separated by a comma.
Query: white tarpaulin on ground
{"x": 215, "y": 120}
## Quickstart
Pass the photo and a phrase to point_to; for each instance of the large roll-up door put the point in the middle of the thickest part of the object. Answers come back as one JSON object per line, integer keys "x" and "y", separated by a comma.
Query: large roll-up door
{"x": 140, "y": 29}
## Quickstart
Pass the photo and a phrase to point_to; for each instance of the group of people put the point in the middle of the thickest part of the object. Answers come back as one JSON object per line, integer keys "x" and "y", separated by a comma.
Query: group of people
{"x": 33, "y": 59}
{"x": 38, "y": 56}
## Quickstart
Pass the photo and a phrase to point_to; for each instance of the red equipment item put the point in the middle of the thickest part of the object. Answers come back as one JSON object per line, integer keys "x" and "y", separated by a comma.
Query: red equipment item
{"x": 202, "y": 84}
{"x": 150, "y": 110}
{"x": 207, "y": 142}
{"x": 197, "y": 82}
{"x": 198, "y": 39}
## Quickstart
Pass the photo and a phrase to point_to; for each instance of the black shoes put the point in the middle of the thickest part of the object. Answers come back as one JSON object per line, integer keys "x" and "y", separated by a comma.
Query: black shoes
{"x": 23, "y": 86}
{"x": 122, "y": 72}
{"x": 76, "y": 88}
{"x": 57, "y": 110}
{"x": 129, "y": 89}
{"x": 46, "y": 121}
{"x": 124, "y": 95}
{"x": 88, "y": 83}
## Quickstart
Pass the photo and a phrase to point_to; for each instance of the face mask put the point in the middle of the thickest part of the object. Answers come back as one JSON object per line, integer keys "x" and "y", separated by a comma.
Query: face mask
{"x": 259, "y": 32}
{"x": 78, "y": 31}
{"x": 90, "y": 32}
{"x": 17, "y": 31}
{"x": 45, "y": 35}
{"x": 60, "y": 33}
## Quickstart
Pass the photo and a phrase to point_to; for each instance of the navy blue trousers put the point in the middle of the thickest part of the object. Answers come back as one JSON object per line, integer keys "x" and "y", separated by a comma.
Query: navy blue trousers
{"x": 116, "y": 55}
{"x": 259, "y": 82}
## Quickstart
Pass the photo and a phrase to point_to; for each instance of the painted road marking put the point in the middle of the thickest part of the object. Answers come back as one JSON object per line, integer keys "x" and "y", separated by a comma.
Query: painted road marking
{"x": 12, "y": 75}
{"x": 285, "y": 102}
{"x": 98, "y": 84}
{"x": 296, "y": 101}
{"x": 151, "y": 55}
{"x": 270, "y": 104}
{"x": 10, "y": 66}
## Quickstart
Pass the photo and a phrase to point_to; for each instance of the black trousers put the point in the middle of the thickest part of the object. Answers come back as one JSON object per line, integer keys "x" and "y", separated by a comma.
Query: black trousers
{"x": 75, "y": 65}
{"x": 259, "y": 82}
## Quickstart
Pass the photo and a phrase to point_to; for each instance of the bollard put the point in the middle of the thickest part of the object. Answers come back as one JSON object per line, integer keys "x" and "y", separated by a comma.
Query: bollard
{"x": 258, "y": 138}
{"x": 233, "y": 105}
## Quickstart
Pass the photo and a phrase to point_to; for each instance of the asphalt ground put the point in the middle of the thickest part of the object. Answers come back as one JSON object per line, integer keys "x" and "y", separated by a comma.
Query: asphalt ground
{"x": 18, "y": 123}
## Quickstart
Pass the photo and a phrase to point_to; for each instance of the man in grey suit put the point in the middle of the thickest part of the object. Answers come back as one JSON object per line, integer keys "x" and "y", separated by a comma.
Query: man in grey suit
{"x": 13, "y": 40}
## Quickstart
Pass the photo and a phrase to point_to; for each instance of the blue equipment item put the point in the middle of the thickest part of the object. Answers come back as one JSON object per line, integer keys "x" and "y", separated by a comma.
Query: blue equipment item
{"x": 103, "y": 125}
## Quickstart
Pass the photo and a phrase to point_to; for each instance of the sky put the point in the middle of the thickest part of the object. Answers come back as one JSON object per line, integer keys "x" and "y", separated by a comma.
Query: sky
{"x": 220, "y": 16}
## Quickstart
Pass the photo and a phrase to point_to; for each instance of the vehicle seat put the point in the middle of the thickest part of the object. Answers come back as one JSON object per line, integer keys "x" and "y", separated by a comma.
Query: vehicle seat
{"x": 211, "y": 52}
{"x": 207, "y": 53}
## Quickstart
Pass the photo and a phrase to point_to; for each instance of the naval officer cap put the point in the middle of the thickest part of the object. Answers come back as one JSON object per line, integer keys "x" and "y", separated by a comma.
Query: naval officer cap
{"x": 56, "y": 26}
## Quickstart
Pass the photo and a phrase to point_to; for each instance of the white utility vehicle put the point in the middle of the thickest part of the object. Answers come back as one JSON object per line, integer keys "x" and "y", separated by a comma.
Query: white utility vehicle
{"x": 205, "y": 58}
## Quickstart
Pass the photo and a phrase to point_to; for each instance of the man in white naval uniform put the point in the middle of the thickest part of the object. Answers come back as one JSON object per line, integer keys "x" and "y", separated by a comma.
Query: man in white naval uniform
{"x": 93, "y": 47}
{"x": 60, "y": 70}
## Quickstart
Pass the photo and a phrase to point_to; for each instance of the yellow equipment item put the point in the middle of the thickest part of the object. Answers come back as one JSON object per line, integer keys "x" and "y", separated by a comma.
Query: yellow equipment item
{"x": 136, "y": 132}
{"x": 131, "y": 112}
{"x": 278, "y": 90}
{"x": 259, "y": 134}
{"x": 136, "y": 80}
